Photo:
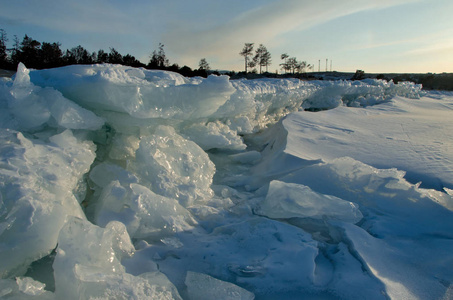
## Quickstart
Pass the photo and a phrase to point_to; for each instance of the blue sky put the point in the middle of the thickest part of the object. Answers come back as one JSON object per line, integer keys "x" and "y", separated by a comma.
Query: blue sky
{"x": 375, "y": 36}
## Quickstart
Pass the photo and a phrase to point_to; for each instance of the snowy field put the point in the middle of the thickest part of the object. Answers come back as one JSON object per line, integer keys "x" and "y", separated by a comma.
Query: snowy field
{"x": 124, "y": 183}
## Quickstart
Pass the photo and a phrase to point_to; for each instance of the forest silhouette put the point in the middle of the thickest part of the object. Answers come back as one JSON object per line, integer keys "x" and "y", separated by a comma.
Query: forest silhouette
{"x": 37, "y": 55}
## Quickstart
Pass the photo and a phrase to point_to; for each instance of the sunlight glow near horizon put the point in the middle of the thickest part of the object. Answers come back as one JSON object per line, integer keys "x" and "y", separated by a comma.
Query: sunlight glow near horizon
{"x": 399, "y": 36}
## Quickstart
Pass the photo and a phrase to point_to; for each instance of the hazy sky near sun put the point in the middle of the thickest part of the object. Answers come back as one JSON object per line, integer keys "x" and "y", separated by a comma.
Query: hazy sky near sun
{"x": 373, "y": 35}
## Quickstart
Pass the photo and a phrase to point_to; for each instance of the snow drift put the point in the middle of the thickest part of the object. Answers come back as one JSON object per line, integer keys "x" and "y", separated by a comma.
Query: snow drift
{"x": 128, "y": 183}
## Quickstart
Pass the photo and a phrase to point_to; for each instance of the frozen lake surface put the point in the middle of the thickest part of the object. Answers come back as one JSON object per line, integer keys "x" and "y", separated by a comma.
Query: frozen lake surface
{"x": 126, "y": 183}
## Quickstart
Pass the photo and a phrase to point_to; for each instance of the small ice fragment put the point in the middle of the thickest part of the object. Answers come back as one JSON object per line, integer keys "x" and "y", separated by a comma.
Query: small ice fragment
{"x": 172, "y": 242}
{"x": 29, "y": 286}
{"x": 249, "y": 157}
{"x": 290, "y": 200}
{"x": 204, "y": 287}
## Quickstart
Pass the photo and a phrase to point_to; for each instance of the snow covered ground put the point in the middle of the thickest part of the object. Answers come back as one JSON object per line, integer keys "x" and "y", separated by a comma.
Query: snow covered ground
{"x": 124, "y": 183}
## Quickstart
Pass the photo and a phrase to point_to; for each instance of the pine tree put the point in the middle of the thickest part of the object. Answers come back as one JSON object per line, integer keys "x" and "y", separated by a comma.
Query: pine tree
{"x": 285, "y": 65}
{"x": 78, "y": 55}
{"x": 115, "y": 57}
{"x": 130, "y": 60}
{"x": 102, "y": 57}
{"x": 3, "y": 54}
{"x": 262, "y": 57}
{"x": 246, "y": 52}
{"x": 29, "y": 52}
{"x": 51, "y": 55}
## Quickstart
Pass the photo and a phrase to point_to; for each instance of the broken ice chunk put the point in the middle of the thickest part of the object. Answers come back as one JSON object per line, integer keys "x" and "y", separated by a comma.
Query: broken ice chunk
{"x": 32, "y": 106}
{"x": 175, "y": 167}
{"x": 69, "y": 114}
{"x": 88, "y": 265}
{"x": 36, "y": 184}
{"x": 290, "y": 200}
{"x": 202, "y": 286}
{"x": 144, "y": 213}
{"x": 27, "y": 106}
{"x": 22, "y": 87}
{"x": 214, "y": 135}
{"x": 24, "y": 288}
{"x": 29, "y": 286}
{"x": 104, "y": 173}
{"x": 249, "y": 157}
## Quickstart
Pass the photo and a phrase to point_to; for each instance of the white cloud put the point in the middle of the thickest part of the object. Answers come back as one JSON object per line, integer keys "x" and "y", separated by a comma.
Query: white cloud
{"x": 190, "y": 30}
{"x": 261, "y": 25}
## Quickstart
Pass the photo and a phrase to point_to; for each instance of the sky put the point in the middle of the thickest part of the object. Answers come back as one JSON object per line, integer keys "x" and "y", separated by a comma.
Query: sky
{"x": 385, "y": 36}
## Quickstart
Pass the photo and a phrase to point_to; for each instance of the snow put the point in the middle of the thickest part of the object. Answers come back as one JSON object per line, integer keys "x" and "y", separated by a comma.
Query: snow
{"x": 127, "y": 183}
{"x": 411, "y": 135}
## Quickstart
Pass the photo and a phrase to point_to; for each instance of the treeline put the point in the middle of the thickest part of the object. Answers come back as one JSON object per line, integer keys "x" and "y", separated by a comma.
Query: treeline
{"x": 262, "y": 59}
{"x": 37, "y": 55}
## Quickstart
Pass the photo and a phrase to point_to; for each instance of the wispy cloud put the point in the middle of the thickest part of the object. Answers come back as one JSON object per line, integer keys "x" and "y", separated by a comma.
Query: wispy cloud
{"x": 262, "y": 25}
{"x": 68, "y": 16}
{"x": 190, "y": 30}
{"x": 434, "y": 43}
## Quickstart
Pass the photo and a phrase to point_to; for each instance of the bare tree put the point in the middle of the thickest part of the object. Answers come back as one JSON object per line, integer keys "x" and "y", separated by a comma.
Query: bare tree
{"x": 301, "y": 66}
{"x": 262, "y": 57}
{"x": 246, "y": 52}
{"x": 284, "y": 65}
{"x": 159, "y": 59}
{"x": 252, "y": 65}
{"x": 291, "y": 64}
{"x": 203, "y": 64}
{"x": 267, "y": 59}
{"x": 294, "y": 66}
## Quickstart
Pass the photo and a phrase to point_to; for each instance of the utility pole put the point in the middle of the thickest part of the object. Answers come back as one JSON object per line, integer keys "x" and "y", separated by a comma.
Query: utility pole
{"x": 319, "y": 65}
{"x": 326, "y": 63}
{"x": 330, "y": 65}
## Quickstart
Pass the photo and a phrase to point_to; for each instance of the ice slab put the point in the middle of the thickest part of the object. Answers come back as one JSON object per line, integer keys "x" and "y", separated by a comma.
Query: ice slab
{"x": 404, "y": 209}
{"x": 24, "y": 288}
{"x": 33, "y": 106}
{"x": 259, "y": 254}
{"x": 405, "y": 233}
{"x": 37, "y": 184}
{"x": 145, "y": 214}
{"x": 214, "y": 135}
{"x": 204, "y": 287}
{"x": 104, "y": 173}
{"x": 174, "y": 166}
{"x": 407, "y": 268}
{"x": 88, "y": 265}
{"x": 289, "y": 200}
{"x": 149, "y": 94}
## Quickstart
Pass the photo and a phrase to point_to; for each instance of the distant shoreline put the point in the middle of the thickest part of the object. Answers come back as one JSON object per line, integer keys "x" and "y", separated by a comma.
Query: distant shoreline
{"x": 429, "y": 81}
